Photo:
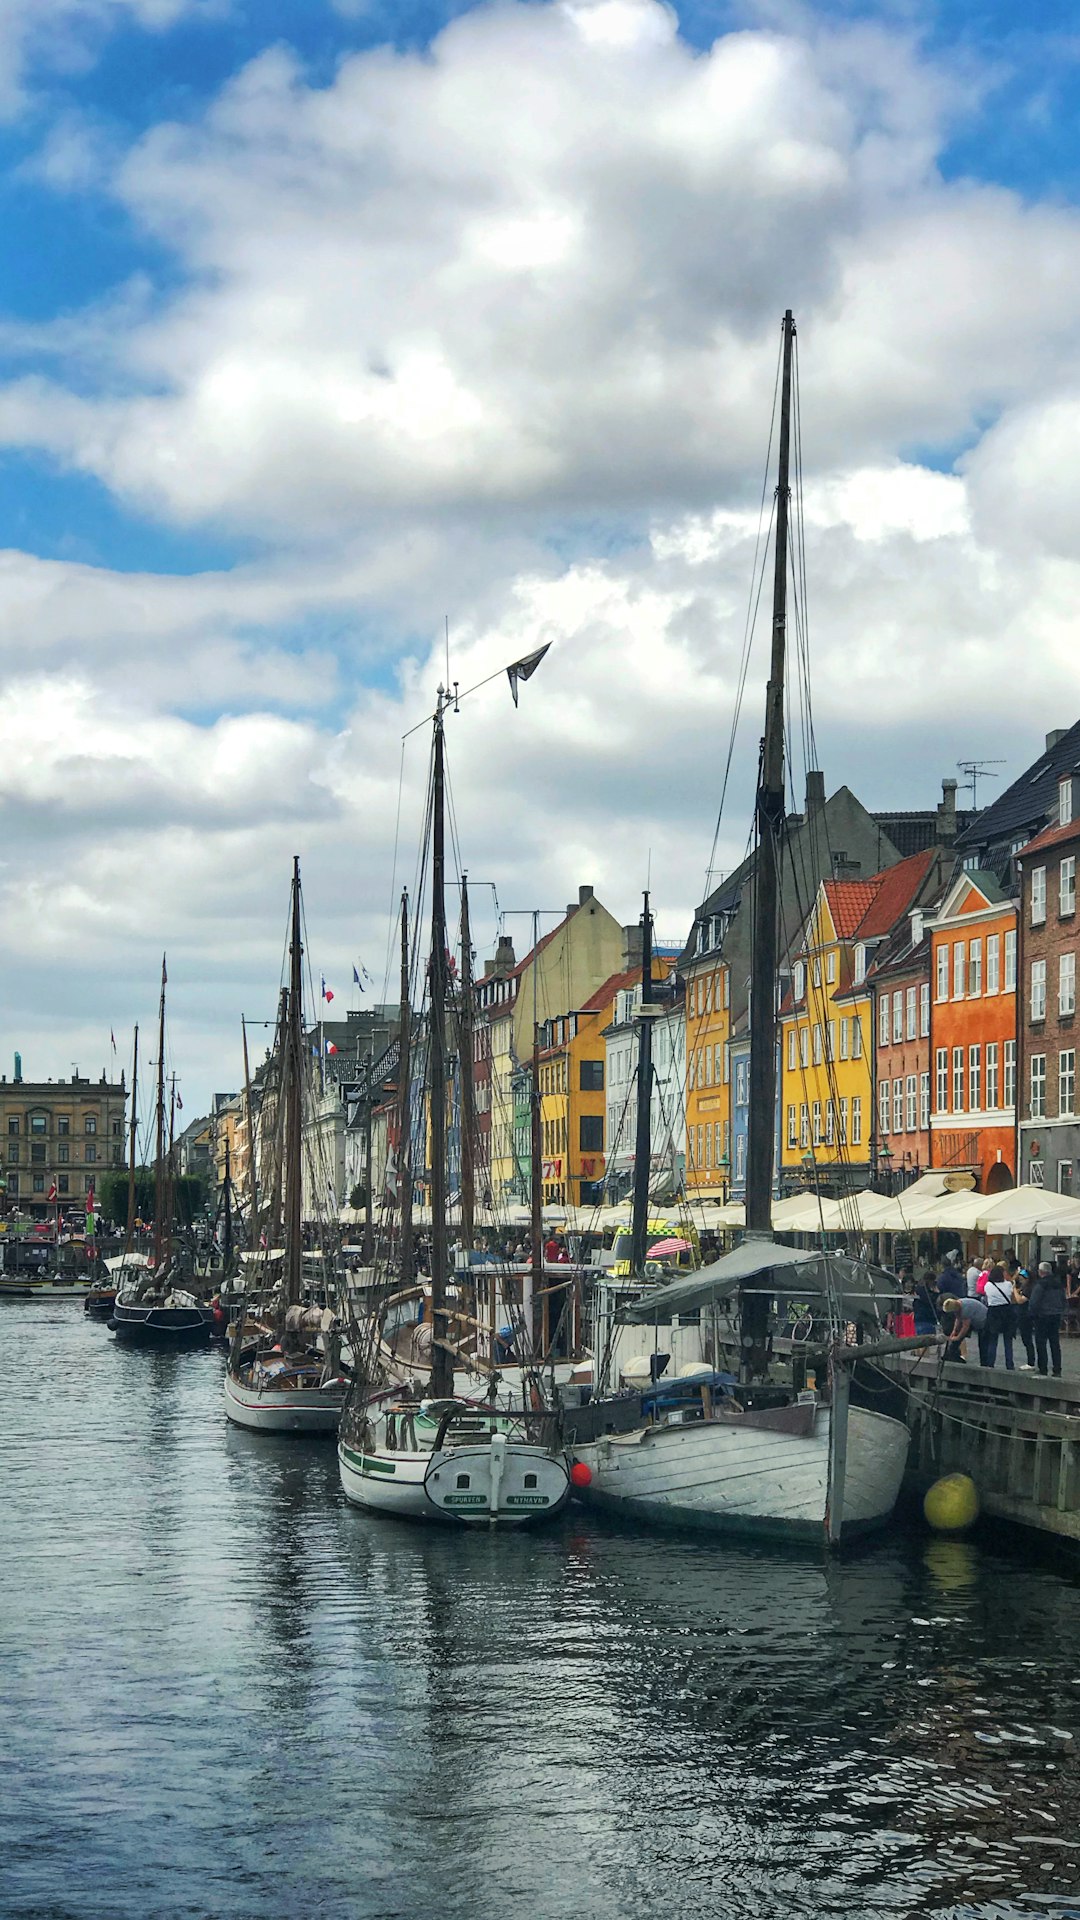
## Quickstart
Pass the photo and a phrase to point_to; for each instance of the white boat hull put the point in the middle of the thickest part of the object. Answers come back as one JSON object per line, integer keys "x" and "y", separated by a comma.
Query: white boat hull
{"x": 309, "y": 1410}
{"x": 722, "y": 1475}
{"x": 505, "y": 1481}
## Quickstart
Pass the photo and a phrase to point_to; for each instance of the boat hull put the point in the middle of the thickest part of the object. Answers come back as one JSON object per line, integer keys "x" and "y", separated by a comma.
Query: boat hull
{"x": 727, "y": 1475}
{"x": 423, "y": 1485}
{"x": 159, "y": 1326}
{"x": 304, "y": 1410}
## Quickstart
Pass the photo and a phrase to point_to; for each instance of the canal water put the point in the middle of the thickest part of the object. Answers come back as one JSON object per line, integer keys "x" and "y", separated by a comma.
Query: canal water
{"x": 226, "y": 1694}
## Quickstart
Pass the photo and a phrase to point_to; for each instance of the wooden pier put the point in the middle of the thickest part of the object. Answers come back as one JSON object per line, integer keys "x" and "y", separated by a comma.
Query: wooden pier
{"x": 1016, "y": 1434}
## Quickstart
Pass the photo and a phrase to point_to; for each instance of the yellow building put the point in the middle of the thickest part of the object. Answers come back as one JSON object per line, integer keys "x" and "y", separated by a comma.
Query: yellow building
{"x": 573, "y": 1096}
{"x": 60, "y": 1137}
{"x": 827, "y": 1063}
{"x": 708, "y": 1074}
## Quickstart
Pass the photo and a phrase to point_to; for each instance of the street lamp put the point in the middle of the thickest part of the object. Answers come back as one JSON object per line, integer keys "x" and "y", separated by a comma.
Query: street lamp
{"x": 885, "y": 1158}
{"x": 723, "y": 1167}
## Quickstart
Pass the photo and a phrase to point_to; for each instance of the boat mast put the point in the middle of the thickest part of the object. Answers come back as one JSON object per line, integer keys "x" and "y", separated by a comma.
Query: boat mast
{"x": 253, "y": 1191}
{"x": 536, "y": 1192}
{"x": 770, "y": 824}
{"x": 159, "y": 1131}
{"x": 639, "y": 1230}
{"x": 129, "y": 1237}
{"x": 465, "y": 1068}
{"x": 442, "y": 1369}
{"x": 405, "y": 1189}
{"x": 294, "y": 1113}
{"x": 226, "y": 1246}
{"x": 170, "y": 1168}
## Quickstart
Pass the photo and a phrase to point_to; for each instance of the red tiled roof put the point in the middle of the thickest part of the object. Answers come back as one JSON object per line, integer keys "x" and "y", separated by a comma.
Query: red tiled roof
{"x": 1051, "y": 837}
{"x": 603, "y": 995}
{"x": 848, "y": 901}
{"x": 895, "y": 889}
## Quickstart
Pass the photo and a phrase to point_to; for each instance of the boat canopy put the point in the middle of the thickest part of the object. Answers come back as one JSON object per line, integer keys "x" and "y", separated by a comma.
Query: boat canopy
{"x": 121, "y": 1260}
{"x": 791, "y": 1274}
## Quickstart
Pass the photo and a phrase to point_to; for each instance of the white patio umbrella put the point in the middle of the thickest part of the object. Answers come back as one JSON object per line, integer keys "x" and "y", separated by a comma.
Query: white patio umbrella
{"x": 1020, "y": 1210}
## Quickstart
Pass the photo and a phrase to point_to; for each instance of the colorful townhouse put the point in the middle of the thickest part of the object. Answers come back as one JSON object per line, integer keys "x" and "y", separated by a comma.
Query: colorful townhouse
{"x": 973, "y": 975}
{"x": 708, "y": 1074}
{"x": 830, "y": 1134}
{"x": 1049, "y": 1130}
{"x": 899, "y": 981}
{"x": 573, "y": 1092}
{"x": 667, "y": 1105}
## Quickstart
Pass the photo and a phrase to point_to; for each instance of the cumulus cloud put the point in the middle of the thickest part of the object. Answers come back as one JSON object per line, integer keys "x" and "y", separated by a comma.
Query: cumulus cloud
{"x": 60, "y": 36}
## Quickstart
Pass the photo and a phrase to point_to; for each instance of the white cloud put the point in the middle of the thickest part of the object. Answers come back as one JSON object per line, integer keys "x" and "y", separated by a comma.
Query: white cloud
{"x": 59, "y": 36}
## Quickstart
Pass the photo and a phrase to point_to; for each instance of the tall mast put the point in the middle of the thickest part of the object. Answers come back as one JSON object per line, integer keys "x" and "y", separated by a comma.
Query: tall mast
{"x": 643, "y": 1137}
{"x": 465, "y": 1068}
{"x": 129, "y": 1237}
{"x": 170, "y": 1169}
{"x": 226, "y": 1248}
{"x": 294, "y": 1113}
{"x": 405, "y": 1186}
{"x": 442, "y": 1370}
{"x": 253, "y": 1191}
{"x": 159, "y": 1130}
{"x": 536, "y": 1171}
{"x": 770, "y": 823}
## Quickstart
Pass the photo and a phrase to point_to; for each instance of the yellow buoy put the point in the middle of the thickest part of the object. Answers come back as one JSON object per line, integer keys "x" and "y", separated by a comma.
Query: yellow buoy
{"x": 952, "y": 1504}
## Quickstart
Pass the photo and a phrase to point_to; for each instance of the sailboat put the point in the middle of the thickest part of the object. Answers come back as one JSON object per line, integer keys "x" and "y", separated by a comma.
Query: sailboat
{"x": 702, "y": 1444}
{"x": 277, "y": 1380}
{"x": 129, "y": 1265}
{"x": 438, "y": 1456}
{"x": 151, "y": 1308}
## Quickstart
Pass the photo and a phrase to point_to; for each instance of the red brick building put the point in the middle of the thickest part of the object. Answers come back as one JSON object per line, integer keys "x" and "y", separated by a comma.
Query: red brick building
{"x": 1049, "y": 1131}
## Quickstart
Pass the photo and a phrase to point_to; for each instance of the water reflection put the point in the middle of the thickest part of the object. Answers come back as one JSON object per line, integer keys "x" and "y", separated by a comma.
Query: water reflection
{"x": 222, "y": 1679}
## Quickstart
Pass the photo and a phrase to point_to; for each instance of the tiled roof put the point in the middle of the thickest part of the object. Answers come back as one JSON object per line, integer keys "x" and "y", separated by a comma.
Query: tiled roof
{"x": 895, "y": 889}
{"x": 605, "y": 994}
{"x": 1031, "y": 799}
{"x": 848, "y": 902}
{"x": 1051, "y": 837}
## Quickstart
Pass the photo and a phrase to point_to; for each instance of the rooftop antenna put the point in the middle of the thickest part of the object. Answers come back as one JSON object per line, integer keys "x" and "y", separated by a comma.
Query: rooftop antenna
{"x": 977, "y": 770}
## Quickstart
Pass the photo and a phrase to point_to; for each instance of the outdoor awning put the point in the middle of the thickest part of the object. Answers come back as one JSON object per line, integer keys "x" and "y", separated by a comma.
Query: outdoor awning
{"x": 862, "y": 1293}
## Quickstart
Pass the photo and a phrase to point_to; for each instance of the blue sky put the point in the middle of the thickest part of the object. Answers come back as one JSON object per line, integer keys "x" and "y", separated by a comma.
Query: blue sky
{"x": 302, "y": 348}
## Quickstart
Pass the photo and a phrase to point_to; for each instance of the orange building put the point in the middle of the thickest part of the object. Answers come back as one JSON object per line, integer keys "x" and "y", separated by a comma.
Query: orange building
{"x": 973, "y": 1032}
{"x": 573, "y": 1097}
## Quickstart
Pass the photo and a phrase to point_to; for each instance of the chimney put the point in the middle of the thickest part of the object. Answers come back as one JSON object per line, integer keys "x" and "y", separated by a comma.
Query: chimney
{"x": 1052, "y": 738}
{"x": 945, "y": 830}
{"x": 815, "y": 791}
{"x": 631, "y": 947}
{"x": 504, "y": 961}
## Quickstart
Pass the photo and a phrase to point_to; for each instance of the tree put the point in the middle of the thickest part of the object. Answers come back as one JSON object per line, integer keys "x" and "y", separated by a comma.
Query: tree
{"x": 358, "y": 1196}
{"x": 189, "y": 1196}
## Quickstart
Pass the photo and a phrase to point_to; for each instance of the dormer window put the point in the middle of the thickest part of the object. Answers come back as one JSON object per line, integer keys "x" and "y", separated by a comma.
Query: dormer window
{"x": 860, "y": 964}
{"x": 798, "y": 980}
{"x": 1065, "y": 801}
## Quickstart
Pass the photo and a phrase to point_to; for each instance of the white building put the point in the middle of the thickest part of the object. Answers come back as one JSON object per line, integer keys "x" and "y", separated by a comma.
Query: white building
{"x": 668, "y": 1104}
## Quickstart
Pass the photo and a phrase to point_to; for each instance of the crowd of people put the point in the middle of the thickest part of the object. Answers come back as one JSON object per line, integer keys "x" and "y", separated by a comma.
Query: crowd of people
{"x": 998, "y": 1304}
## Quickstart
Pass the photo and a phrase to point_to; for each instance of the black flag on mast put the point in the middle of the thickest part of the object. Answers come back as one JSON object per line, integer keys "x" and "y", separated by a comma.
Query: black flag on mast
{"x": 524, "y": 669}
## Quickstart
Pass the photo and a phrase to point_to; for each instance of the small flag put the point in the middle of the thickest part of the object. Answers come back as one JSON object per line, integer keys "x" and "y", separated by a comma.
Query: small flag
{"x": 51, "y": 1195}
{"x": 330, "y": 1047}
{"x": 112, "y": 1037}
{"x": 327, "y": 992}
{"x": 179, "y": 1104}
{"x": 524, "y": 669}
{"x": 90, "y": 1198}
{"x": 358, "y": 980}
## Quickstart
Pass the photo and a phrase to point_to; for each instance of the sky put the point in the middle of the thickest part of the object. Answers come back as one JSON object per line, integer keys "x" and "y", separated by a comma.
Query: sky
{"x": 327, "y": 326}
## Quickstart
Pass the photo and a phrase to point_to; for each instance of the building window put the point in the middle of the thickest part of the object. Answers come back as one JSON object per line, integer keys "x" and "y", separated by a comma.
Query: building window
{"x": 804, "y": 1125}
{"x": 39, "y": 1183}
{"x": 38, "y": 1123}
{"x": 1008, "y": 1074}
{"x": 830, "y": 1041}
{"x": 898, "y": 1106}
{"x": 856, "y": 1037}
{"x": 829, "y": 1123}
{"x": 941, "y": 1063}
{"x": 91, "y": 1152}
{"x": 924, "y": 1009}
{"x": 13, "y": 1186}
{"x": 1066, "y": 983}
{"x": 860, "y": 965}
{"x": 1067, "y": 1081}
{"x": 911, "y": 1100}
{"x": 13, "y": 1153}
{"x": 817, "y": 1044}
{"x": 843, "y": 1123}
{"x": 727, "y": 1062}
{"x": 62, "y": 1183}
{"x": 958, "y": 1079}
{"x": 91, "y": 1123}
{"x": 13, "y": 1126}
{"x": 1010, "y": 962}
{"x": 883, "y": 1107}
{"x": 991, "y": 1075}
{"x": 804, "y": 1046}
{"x": 897, "y": 1016}
{"x": 993, "y": 962}
{"x": 817, "y": 1123}
{"x": 830, "y": 968}
{"x": 590, "y": 1133}
{"x": 707, "y": 1080}
{"x": 883, "y": 1021}
{"x": 1038, "y": 1086}
{"x": 1038, "y": 990}
{"x": 798, "y": 980}
{"x": 844, "y": 1035}
{"x": 740, "y": 1146}
{"x": 37, "y": 1154}
{"x": 975, "y": 967}
{"x": 959, "y": 969}
{"x": 911, "y": 1002}
{"x": 924, "y": 1101}
{"x": 1067, "y": 886}
{"x": 63, "y": 1154}
{"x": 1065, "y": 802}
{"x": 592, "y": 1076}
{"x": 792, "y": 1128}
{"x": 974, "y": 1078}
{"x": 943, "y": 972}
{"x": 792, "y": 1043}
{"x": 63, "y": 1123}
{"x": 1038, "y": 896}
{"x": 817, "y": 972}
{"x": 856, "y": 1121}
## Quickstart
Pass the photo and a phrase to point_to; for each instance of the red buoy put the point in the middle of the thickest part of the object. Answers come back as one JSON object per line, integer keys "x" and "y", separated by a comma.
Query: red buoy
{"x": 580, "y": 1474}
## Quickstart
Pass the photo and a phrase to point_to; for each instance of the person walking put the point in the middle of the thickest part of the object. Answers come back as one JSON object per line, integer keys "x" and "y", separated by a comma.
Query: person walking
{"x": 1000, "y": 1317}
{"x": 1047, "y": 1306}
{"x": 1021, "y": 1283}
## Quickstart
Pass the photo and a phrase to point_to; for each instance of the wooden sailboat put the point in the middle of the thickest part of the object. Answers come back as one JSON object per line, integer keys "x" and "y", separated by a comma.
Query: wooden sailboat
{"x": 151, "y": 1308}
{"x": 701, "y": 1446}
{"x": 440, "y": 1457}
{"x": 277, "y": 1380}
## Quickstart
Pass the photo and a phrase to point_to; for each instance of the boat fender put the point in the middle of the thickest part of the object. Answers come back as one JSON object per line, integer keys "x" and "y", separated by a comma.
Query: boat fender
{"x": 580, "y": 1474}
